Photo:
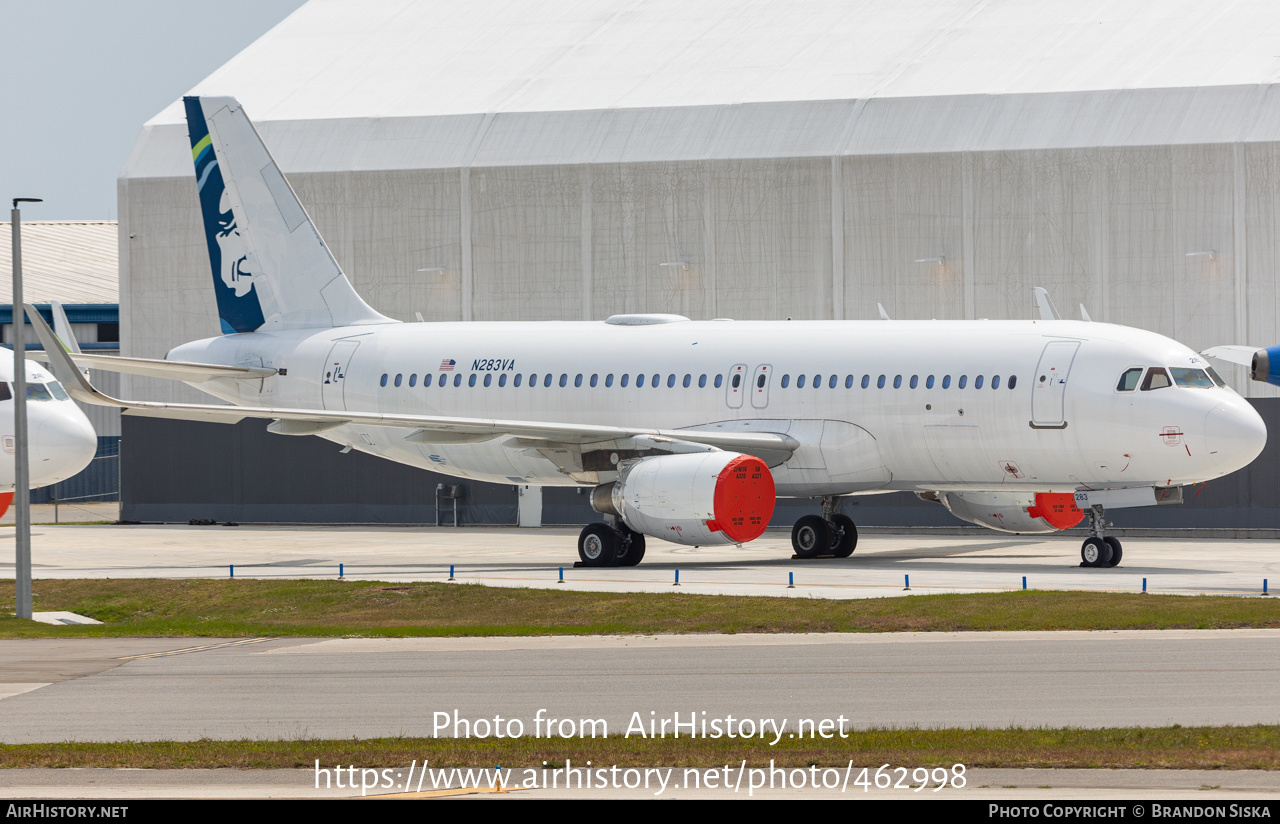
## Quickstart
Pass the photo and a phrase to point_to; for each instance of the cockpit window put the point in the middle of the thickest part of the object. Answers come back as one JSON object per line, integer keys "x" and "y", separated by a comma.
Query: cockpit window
{"x": 39, "y": 392}
{"x": 1216, "y": 377}
{"x": 1157, "y": 378}
{"x": 1192, "y": 378}
{"x": 1129, "y": 380}
{"x": 5, "y": 393}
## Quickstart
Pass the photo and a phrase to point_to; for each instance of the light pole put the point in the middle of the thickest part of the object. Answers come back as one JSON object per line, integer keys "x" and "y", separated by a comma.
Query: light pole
{"x": 21, "y": 481}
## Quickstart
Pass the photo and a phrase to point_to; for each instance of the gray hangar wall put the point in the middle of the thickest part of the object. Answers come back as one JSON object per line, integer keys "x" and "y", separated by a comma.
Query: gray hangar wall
{"x": 936, "y": 207}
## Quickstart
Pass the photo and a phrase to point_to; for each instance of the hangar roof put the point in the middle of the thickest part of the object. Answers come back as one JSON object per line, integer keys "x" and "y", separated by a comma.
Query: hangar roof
{"x": 403, "y": 58}
{"x": 70, "y": 261}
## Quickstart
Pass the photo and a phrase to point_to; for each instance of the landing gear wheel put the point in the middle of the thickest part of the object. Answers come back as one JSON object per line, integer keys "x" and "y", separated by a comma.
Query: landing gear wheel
{"x": 1095, "y": 552}
{"x": 844, "y": 536}
{"x": 598, "y": 545}
{"x": 811, "y": 536}
{"x": 630, "y": 546}
{"x": 1116, "y": 552}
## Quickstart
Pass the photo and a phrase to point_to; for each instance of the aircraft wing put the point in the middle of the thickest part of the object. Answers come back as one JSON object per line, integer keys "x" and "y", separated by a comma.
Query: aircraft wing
{"x": 1242, "y": 355}
{"x": 773, "y": 448}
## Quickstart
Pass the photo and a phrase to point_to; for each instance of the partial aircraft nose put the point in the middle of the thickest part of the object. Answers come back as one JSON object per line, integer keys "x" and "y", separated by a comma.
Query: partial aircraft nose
{"x": 1235, "y": 434}
{"x": 62, "y": 442}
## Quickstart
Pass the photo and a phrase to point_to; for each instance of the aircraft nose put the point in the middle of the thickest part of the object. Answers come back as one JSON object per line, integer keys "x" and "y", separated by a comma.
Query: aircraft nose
{"x": 62, "y": 445}
{"x": 1235, "y": 434}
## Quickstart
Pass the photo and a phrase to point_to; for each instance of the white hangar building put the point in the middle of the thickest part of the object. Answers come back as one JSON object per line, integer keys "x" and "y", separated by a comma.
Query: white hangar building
{"x": 725, "y": 158}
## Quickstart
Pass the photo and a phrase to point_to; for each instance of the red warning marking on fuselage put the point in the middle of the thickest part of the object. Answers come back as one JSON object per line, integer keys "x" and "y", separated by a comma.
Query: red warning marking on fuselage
{"x": 1171, "y": 435}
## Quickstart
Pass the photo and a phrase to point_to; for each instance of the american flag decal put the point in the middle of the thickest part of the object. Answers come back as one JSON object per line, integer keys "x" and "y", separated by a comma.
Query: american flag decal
{"x": 447, "y": 364}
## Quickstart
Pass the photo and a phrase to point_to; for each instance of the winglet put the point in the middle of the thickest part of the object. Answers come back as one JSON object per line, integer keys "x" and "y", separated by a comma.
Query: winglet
{"x": 63, "y": 368}
{"x": 62, "y": 327}
{"x": 883, "y": 314}
{"x": 1047, "y": 310}
{"x": 1084, "y": 314}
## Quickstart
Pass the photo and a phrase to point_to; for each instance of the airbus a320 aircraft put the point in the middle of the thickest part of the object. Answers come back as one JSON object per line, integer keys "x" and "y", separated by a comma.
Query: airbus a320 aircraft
{"x": 688, "y": 430}
{"x": 60, "y": 438}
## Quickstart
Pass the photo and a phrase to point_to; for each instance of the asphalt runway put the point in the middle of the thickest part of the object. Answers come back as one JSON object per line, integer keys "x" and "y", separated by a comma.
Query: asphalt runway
{"x": 981, "y": 562}
{"x": 156, "y": 689}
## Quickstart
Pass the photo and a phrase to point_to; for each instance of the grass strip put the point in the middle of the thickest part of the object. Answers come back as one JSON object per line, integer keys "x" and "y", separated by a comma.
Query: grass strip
{"x": 1227, "y": 748}
{"x": 244, "y": 607}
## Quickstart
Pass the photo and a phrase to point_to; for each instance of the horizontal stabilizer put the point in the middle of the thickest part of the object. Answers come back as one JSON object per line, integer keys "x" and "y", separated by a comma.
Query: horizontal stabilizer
{"x": 153, "y": 368}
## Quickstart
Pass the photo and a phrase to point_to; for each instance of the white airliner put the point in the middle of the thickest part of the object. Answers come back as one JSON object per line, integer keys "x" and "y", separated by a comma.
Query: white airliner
{"x": 688, "y": 430}
{"x": 61, "y": 440}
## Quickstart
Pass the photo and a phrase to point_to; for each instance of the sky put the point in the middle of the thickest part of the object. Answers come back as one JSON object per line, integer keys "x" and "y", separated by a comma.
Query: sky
{"x": 80, "y": 77}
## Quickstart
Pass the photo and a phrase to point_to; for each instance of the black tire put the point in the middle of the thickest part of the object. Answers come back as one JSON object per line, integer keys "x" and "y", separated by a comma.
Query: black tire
{"x": 1095, "y": 552}
{"x": 630, "y": 546}
{"x": 1117, "y": 552}
{"x": 598, "y": 545}
{"x": 844, "y": 537}
{"x": 811, "y": 537}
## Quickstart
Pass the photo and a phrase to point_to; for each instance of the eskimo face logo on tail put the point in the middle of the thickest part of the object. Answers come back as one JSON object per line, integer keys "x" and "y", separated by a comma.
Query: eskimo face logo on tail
{"x": 235, "y": 273}
{"x": 239, "y": 309}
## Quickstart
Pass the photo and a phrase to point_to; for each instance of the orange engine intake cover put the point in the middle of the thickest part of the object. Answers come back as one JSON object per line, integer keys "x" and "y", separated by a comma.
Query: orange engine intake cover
{"x": 1057, "y": 509}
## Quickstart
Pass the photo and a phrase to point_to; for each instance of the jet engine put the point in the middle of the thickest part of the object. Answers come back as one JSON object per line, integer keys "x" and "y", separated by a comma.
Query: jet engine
{"x": 1012, "y": 512}
{"x": 698, "y": 499}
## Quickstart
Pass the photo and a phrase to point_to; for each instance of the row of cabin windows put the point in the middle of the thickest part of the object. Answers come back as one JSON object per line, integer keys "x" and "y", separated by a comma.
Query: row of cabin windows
{"x": 913, "y": 382}
{"x": 548, "y": 379}
{"x": 718, "y": 381}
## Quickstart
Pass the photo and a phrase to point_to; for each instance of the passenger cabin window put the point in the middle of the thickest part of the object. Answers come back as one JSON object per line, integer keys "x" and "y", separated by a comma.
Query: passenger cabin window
{"x": 1191, "y": 378}
{"x": 488, "y": 378}
{"x": 799, "y": 381}
{"x": 1157, "y": 378}
{"x": 1129, "y": 380}
{"x": 786, "y": 381}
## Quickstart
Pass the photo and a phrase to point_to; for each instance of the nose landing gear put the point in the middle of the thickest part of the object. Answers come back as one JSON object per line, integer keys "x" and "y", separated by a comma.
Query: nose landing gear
{"x": 827, "y": 535}
{"x": 1099, "y": 550}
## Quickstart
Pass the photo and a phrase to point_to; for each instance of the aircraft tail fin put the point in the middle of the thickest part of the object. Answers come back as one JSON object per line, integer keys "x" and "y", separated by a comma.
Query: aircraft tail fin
{"x": 271, "y": 268}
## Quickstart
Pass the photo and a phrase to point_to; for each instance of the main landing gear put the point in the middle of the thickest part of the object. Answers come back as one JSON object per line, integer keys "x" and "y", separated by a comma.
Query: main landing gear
{"x": 606, "y": 545}
{"x": 1099, "y": 550}
{"x": 829, "y": 534}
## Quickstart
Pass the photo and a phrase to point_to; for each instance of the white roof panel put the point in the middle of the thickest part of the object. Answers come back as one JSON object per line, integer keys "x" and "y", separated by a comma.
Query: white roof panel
{"x": 67, "y": 261}
{"x": 403, "y": 58}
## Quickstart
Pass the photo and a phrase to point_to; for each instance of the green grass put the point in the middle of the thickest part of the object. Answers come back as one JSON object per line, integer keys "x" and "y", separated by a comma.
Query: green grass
{"x": 1237, "y": 748}
{"x": 233, "y": 608}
